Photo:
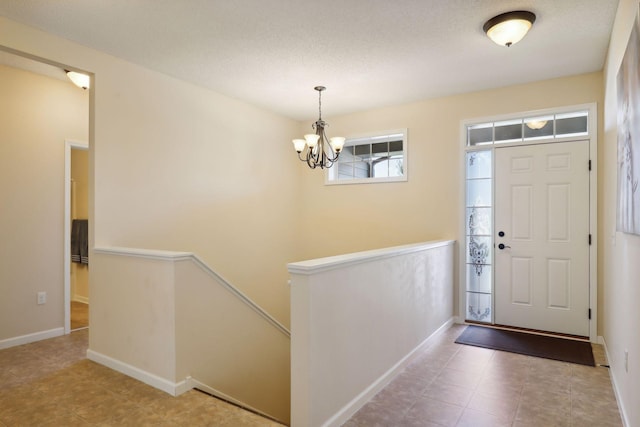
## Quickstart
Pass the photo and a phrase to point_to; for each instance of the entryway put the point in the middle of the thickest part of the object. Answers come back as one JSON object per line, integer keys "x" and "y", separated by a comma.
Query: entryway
{"x": 542, "y": 237}
{"x": 530, "y": 220}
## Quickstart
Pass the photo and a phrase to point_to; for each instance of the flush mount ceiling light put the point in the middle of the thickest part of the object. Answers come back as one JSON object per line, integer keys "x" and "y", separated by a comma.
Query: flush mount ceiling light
{"x": 509, "y": 28}
{"x": 536, "y": 124}
{"x": 319, "y": 151}
{"x": 79, "y": 79}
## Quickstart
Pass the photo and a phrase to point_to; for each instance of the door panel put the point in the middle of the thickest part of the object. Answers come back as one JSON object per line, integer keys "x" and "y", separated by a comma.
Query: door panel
{"x": 542, "y": 205}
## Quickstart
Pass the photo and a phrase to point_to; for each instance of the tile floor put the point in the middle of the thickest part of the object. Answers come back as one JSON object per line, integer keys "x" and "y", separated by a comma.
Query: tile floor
{"x": 51, "y": 383}
{"x": 449, "y": 384}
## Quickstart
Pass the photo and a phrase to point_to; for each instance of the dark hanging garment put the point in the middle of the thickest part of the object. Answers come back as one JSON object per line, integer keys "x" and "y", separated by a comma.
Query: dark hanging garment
{"x": 80, "y": 241}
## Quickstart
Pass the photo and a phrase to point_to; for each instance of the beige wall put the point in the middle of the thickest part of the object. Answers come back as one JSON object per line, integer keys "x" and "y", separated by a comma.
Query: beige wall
{"x": 427, "y": 206}
{"x": 37, "y": 114}
{"x": 621, "y": 253}
{"x": 80, "y": 210}
{"x": 177, "y": 167}
{"x": 181, "y": 168}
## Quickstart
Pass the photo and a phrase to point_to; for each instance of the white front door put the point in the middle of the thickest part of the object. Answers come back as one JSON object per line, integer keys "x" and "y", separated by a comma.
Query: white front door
{"x": 542, "y": 221}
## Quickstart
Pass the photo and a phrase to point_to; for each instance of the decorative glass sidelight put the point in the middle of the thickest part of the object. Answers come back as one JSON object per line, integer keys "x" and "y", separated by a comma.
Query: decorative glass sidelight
{"x": 479, "y": 307}
{"x": 479, "y": 243}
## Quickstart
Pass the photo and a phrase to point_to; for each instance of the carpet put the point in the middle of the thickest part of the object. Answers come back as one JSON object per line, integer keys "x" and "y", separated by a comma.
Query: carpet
{"x": 565, "y": 350}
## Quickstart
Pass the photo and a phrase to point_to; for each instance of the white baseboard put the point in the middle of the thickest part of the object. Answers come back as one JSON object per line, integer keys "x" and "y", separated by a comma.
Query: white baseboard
{"x": 616, "y": 390}
{"x": 359, "y": 401}
{"x": 80, "y": 298}
{"x": 26, "y": 339}
{"x": 174, "y": 389}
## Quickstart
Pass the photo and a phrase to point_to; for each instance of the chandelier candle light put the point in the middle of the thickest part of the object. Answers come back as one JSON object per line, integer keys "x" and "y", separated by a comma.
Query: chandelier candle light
{"x": 319, "y": 151}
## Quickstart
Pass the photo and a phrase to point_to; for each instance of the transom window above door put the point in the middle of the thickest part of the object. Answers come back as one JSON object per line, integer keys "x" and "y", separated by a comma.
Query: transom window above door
{"x": 548, "y": 126}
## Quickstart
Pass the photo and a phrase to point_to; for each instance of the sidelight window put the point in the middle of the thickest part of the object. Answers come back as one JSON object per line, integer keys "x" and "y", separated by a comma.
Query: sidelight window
{"x": 479, "y": 235}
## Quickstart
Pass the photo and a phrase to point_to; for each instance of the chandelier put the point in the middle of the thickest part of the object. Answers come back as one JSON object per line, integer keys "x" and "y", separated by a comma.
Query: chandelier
{"x": 316, "y": 149}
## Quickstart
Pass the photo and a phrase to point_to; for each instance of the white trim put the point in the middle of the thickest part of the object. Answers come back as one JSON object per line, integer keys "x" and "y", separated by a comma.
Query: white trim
{"x": 593, "y": 221}
{"x": 592, "y": 137}
{"x": 347, "y": 411}
{"x": 144, "y": 253}
{"x": 148, "y": 378}
{"x": 614, "y": 384}
{"x": 173, "y": 256}
{"x": 68, "y": 145}
{"x": 29, "y": 338}
{"x": 528, "y": 114}
{"x": 319, "y": 265}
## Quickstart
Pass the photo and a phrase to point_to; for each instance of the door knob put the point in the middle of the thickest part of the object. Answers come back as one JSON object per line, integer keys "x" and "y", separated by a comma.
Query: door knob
{"x": 501, "y": 233}
{"x": 501, "y": 246}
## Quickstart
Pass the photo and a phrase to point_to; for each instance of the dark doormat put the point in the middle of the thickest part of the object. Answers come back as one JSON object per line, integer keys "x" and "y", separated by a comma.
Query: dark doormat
{"x": 565, "y": 350}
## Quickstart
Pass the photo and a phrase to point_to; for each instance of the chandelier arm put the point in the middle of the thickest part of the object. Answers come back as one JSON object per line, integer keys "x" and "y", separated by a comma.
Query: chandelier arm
{"x": 312, "y": 159}
{"x": 332, "y": 155}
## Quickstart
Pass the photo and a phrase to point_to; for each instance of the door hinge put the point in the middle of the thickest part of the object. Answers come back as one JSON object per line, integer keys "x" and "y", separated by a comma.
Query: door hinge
{"x": 589, "y": 239}
{"x": 589, "y": 314}
{"x": 589, "y": 164}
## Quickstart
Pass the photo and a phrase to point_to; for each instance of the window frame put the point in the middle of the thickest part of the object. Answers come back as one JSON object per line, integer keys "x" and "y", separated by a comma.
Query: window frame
{"x": 330, "y": 176}
{"x": 521, "y": 119}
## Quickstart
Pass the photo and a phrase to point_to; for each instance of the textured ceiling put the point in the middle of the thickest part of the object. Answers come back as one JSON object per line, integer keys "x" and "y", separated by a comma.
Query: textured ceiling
{"x": 368, "y": 53}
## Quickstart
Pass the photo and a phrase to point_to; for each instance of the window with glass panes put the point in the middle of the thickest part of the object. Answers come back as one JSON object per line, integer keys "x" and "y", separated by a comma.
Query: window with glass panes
{"x": 374, "y": 158}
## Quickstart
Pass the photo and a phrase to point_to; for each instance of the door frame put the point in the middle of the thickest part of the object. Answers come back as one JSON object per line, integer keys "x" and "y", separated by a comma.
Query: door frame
{"x": 592, "y": 137}
{"x": 68, "y": 146}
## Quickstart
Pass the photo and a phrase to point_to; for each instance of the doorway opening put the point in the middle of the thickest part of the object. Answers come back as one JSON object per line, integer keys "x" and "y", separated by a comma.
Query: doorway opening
{"x": 491, "y": 285}
{"x": 76, "y": 262}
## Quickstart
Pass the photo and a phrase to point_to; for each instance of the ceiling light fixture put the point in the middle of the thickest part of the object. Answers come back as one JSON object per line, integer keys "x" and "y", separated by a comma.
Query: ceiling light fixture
{"x": 79, "y": 79}
{"x": 509, "y": 28}
{"x": 320, "y": 151}
{"x": 536, "y": 124}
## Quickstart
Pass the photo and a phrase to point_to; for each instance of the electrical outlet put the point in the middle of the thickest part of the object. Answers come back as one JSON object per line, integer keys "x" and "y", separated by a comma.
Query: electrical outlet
{"x": 42, "y": 297}
{"x": 626, "y": 361}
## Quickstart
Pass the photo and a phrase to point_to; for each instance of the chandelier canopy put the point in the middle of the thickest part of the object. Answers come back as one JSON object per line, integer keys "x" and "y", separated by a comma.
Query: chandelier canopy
{"x": 316, "y": 149}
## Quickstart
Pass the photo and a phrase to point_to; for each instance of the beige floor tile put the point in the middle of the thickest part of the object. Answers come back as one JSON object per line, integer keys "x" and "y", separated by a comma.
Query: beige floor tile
{"x": 503, "y": 407}
{"x": 448, "y": 393}
{"x": 51, "y": 383}
{"x": 434, "y": 411}
{"x": 510, "y": 389}
{"x": 529, "y": 415}
{"x": 474, "y": 418}
{"x": 536, "y": 395}
{"x": 395, "y": 400}
{"x": 459, "y": 378}
{"x": 374, "y": 414}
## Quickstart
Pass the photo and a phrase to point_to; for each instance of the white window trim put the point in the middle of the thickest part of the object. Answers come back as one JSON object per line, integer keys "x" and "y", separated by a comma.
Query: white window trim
{"x": 354, "y": 139}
